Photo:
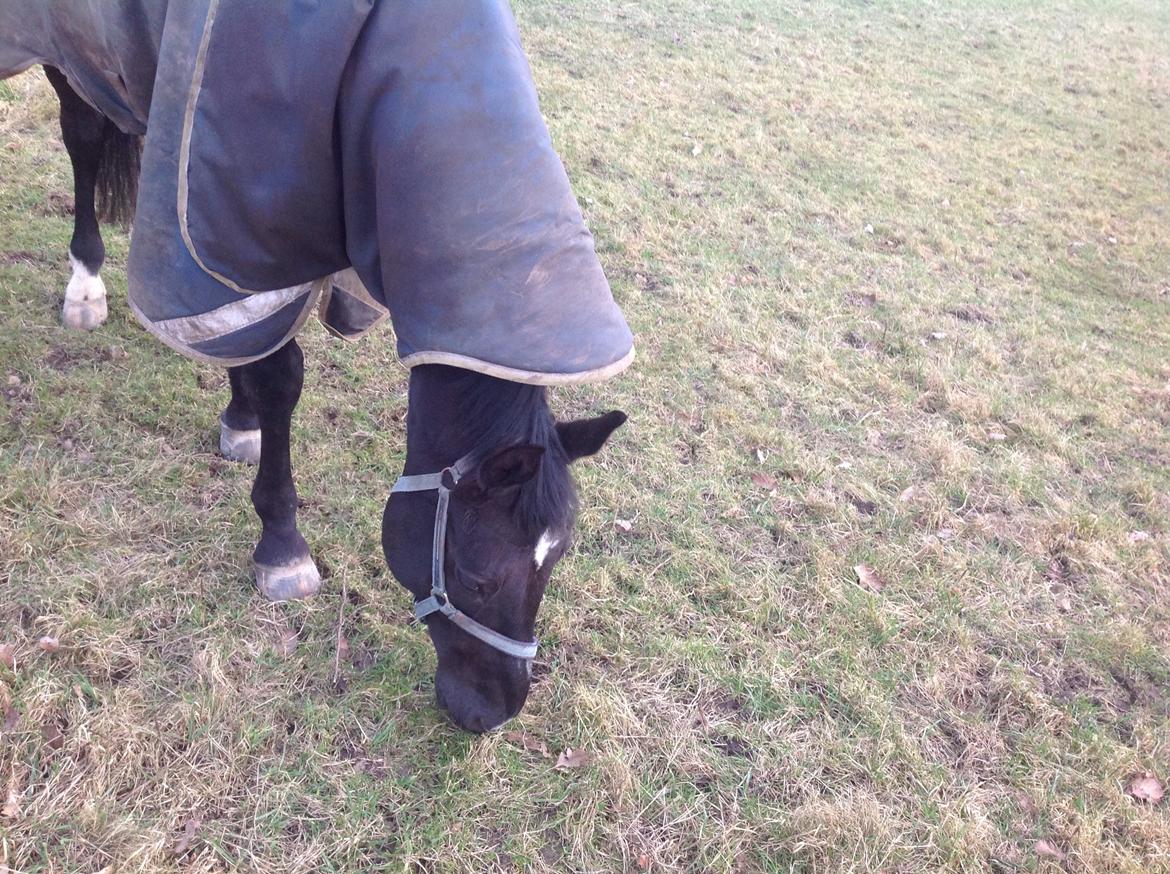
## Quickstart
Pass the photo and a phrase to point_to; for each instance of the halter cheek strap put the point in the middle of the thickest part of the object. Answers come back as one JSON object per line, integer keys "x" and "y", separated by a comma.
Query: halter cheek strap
{"x": 438, "y": 601}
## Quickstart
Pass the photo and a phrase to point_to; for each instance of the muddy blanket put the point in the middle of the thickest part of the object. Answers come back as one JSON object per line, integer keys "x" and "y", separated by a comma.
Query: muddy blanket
{"x": 357, "y": 158}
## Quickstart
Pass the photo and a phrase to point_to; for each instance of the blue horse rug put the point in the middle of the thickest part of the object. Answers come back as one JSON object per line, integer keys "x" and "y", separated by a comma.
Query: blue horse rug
{"x": 361, "y": 159}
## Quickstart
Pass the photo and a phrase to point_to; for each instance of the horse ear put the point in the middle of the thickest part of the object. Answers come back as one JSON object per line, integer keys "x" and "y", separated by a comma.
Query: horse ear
{"x": 585, "y": 437}
{"x": 509, "y": 468}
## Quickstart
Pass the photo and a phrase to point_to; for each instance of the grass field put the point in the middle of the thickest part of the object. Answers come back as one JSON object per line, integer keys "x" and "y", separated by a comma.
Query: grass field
{"x": 900, "y": 276}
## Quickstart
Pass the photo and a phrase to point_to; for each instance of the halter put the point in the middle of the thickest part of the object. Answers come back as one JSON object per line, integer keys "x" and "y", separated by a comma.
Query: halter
{"x": 438, "y": 601}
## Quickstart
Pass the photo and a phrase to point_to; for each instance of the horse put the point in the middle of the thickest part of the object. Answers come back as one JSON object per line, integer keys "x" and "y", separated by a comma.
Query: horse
{"x": 367, "y": 160}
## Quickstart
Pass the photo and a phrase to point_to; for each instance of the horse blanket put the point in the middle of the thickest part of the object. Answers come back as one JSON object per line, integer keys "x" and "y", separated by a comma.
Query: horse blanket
{"x": 357, "y": 158}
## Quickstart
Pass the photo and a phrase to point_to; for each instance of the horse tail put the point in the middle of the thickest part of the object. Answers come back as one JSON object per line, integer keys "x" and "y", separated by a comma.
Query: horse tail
{"x": 117, "y": 175}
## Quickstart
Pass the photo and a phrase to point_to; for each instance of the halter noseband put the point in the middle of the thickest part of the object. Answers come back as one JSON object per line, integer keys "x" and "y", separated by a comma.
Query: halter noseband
{"x": 439, "y": 602}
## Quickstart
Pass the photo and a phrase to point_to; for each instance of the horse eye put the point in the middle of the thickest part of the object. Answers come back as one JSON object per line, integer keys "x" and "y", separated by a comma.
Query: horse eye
{"x": 474, "y": 583}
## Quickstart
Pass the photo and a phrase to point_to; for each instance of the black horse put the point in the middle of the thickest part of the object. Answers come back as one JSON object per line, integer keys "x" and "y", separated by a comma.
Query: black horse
{"x": 486, "y": 506}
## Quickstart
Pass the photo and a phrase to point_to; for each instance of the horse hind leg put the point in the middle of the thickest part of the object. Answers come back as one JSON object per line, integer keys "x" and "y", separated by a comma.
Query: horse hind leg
{"x": 84, "y": 130}
{"x": 271, "y": 388}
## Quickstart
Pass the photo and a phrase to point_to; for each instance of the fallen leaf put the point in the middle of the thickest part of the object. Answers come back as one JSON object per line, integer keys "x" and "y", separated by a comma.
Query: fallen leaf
{"x": 532, "y": 744}
{"x": 868, "y": 578}
{"x": 571, "y": 758}
{"x": 342, "y": 647}
{"x": 1146, "y": 787}
{"x": 51, "y": 735}
{"x": 1047, "y": 848}
{"x": 11, "y": 718}
{"x": 1064, "y": 603}
{"x": 287, "y": 644}
{"x": 11, "y": 808}
{"x": 8, "y": 656}
{"x": 624, "y": 525}
{"x": 997, "y": 436}
{"x": 183, "y": 844}
{"x": 1138, "y": 536}
{"x": 49, "y": 644}
{"x": 644, "y": 861}
{"x": 761, "y": 455}
{"x": 13, "y": 380}
{"x": 763, "y": 480}
{"x": 908, "y": 493}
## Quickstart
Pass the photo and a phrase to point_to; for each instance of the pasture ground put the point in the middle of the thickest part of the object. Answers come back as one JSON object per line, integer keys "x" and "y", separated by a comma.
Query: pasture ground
{"x": 900, "y": 274}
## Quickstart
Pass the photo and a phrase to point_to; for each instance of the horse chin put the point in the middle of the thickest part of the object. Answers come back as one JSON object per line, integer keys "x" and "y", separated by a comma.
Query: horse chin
{"x": 480, "y": 705}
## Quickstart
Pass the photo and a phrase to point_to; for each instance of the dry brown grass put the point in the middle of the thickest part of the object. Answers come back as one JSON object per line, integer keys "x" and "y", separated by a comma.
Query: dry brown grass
{"x": 900, "y": 277}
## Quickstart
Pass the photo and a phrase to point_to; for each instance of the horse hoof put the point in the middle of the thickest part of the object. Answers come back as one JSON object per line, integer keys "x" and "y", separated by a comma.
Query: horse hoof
{"x": 294, "y": 581}
{"x": 239, "y": 445}
{"x": 84, "y": 315}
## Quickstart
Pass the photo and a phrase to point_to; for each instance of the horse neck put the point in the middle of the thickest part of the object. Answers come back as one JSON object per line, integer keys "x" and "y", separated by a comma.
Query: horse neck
{"x": 443, "y": 401}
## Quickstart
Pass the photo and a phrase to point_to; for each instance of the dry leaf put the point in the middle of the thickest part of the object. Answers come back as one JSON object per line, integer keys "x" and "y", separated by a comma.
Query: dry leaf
{"x": 342, "y": 647}
{"x": 644, "y": 861}
{"x": 1146, "y": 787}
{"x": 571, "y": 758}
{"x": 11, "y": 718}
{"x": 532, "y": 744}
{"x": 868, "y": 578}
{"x": 1138, "y": 536}
{"x": 51, "y": 735}
{"x": 183, "y": 844}
{"x": 11, "y": 807}
{"x": 1047, "y": 848}
{"x": 8, "y": 656}
{"x": 287, "y": 644}
{"x": 997, "y": 436}
{"x": 49, "y": 644}
{"x": 624, "y": 525}
{"x": 908, "y": 493}
{"x": 1064, "y": 603}
{"x": 763, "y": 480}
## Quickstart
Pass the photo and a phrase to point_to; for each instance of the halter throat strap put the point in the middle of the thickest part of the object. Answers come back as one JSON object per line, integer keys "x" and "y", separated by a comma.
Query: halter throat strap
{"x": 438, "y": 601}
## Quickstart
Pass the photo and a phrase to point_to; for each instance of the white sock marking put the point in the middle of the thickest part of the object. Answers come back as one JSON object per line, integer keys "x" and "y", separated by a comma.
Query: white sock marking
{"x": 83, "y": 286}
{"x": 543, "y": 546}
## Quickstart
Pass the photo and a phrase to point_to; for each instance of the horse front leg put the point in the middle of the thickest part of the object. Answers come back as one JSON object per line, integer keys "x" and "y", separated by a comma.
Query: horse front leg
{"x": 83, "y": 130}
{"x": 239, "y": 426}
{"x": 271, "y": 388}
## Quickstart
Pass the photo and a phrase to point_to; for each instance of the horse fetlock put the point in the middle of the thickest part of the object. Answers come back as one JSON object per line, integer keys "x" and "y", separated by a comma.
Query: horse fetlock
{"x": 239, "y": 445}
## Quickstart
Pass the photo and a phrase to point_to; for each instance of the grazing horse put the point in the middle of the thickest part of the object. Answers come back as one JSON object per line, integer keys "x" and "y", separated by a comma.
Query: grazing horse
{"x": 359, "y": 160}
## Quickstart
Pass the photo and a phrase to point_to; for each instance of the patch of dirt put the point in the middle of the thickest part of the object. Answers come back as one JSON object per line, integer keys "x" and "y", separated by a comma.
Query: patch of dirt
{"x": 20, "y": 256}
{"x": 734, "y": 747}
{"x": 64, "y": 358}
{"x": 972, "y": 314}
{"x": 57, "y": 203}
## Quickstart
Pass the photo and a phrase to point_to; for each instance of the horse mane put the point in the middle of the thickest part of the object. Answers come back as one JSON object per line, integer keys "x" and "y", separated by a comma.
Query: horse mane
{"x": 502, "y": 414}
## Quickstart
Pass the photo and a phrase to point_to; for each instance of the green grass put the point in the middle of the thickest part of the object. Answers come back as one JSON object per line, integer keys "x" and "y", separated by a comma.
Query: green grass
{"x": 908, "y": 260}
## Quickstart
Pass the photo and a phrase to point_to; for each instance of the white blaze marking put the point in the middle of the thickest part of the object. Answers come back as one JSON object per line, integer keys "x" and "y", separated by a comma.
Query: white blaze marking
{"x": 83, "y": 285}
{"x": 543, "y": 546}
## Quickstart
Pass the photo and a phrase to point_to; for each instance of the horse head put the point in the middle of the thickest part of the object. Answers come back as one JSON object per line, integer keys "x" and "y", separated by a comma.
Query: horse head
{"x": 484, "y": 512}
